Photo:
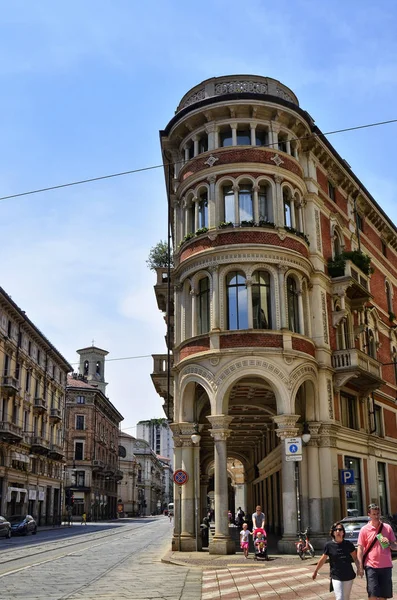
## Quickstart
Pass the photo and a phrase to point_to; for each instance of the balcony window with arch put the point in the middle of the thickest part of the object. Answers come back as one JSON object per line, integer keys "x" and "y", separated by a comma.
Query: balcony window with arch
{"x": 261, "y": 300}
{"x": 237, "y": 301}
{"x": 337, "y": 245}
{"x": 203, "y": 210}
{"x": 245, "y": 205}
{"x": 293, "y": 304}
{"x": 371, "y": 344}
{"x": 342, "y": 333}
{"x": 203, "y": 306}
{"x": 287, "y": 208}
{"x": 264, "y": 204}
{"x": 228, "y": 199}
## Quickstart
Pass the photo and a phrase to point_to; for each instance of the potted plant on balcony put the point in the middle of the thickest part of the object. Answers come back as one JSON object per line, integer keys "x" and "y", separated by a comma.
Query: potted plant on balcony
{"x": 250, "y": 223}
{"x": 201, "y": 230}
{"x": 361, "y": 260}
{"x": 336, "y": 266}
{"x": 225, "y": 224}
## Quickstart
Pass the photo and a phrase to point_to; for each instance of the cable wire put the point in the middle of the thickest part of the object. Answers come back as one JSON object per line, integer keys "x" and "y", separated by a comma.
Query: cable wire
{"x": 151, "y": 168}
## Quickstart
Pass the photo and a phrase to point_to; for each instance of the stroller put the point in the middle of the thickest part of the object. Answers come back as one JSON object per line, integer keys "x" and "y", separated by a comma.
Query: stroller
{"x": 260, "y": 544}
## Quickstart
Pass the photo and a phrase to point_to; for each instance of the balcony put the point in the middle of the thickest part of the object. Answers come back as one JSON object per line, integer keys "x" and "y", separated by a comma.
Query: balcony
{"x": 56, "y": 452}
{"x": 40, "y": 445}
{"x": 10, "y": 432}
{"x": 55, "y": 415}
{"x": 161, "y": 290}
{"x": 39, "y": 405}
{"x": 350, "y": 280}
{"x": 119, "y": 475}
{"x": 159, "y": 375}
{"x": 363, "y": 371}
{"x": 109, "y": 471}
{"x": 9, "y": 385}
{"x": 98, "y": 465}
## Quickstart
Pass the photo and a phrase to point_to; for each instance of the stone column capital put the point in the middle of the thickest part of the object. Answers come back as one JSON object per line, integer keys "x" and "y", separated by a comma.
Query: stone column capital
{"x": 286, "y": 425}
{"x": 219, "y": 421}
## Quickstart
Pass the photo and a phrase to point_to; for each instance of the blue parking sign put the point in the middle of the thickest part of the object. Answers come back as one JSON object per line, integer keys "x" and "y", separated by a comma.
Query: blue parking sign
{"x": 347, "y": 476}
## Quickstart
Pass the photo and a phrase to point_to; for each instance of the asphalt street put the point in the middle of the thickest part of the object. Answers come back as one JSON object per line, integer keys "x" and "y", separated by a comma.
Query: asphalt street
{"x": 102, "y": 561}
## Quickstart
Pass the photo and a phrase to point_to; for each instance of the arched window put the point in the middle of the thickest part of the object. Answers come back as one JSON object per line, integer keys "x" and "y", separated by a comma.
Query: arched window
{"x": 389, "y": 297}
{"x": 371, "y": 344}
{"x": 86, "y": 366}
{"x": 203, "y": 306}
{"x": 287, "y": 208}
{"x": 203, "y": 210}
{"x": 264, "y": 200}
{"x": 337, "y": 246}
{"x": 293, "y": 306}
{"x": 261, "y": 300}
{"x": 245, "y": 207}
{"x": 190, "y": 217}
{"x": 342, "y": 336}
{"x": 228, "y": 197}
{"x": 237, "y": 305}
{"x": 98, "y": 368}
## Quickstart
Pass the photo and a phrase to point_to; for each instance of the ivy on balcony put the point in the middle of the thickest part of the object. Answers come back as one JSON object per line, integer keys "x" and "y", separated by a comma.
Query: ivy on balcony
{"x": 336, "y": 266}
{"x": 298, "y": 233}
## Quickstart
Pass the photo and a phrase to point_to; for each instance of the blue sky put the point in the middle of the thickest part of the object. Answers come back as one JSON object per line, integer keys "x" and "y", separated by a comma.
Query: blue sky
{"x": 86, "y": 86}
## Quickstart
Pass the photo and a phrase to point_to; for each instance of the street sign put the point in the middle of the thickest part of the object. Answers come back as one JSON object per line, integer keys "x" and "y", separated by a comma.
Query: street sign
{"x": 180, "y": 477}
{"x": 347, "y": 476}
{"x": 293, "y": 449}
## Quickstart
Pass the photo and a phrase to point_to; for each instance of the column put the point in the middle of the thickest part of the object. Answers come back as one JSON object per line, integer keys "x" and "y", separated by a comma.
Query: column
{"x": 248, "y": 284}
{"x": 195, "y": 145}
{"x": 177, "y": 504}
{"x": 314, "y": 479}
{"x": 278, "y": 205}
{"x": 234, "y": 133}
{"x": 253, "y": 134}
{"x": 196, "y": 213}
{"x": 236, "y": 210}
{"x": 281, "y": 291}
{"x": 193, "y": 297}
{"x": 288, "y": 144}
{"x": 186, "y": 216}
{"x": 287, "y": 428}
{"x": 256, "y": 203}
{"x": 188, "y": 537}
{"x": 300, "y": 313}
{"x": 204, "y": 480}
{"x": 186, "y": 150}
{"x": 215, "y": 298}
{"x": 221, "y": 543}
{"x": 216, "y": 138}
{"x": 211, "y": 132}
{"x": 213, "y": 211}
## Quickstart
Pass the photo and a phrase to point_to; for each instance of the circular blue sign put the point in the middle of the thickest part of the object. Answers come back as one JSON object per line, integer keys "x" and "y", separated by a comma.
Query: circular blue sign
{"x": 293, "y": 448}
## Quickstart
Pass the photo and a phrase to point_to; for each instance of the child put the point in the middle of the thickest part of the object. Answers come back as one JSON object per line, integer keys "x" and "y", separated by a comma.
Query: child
{"x": 260, "y": 542}
{"x": 244, "y": 539}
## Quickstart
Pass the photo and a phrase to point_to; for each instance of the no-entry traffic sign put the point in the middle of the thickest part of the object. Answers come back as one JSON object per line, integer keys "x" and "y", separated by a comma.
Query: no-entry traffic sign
{"x": 180, "y": 477}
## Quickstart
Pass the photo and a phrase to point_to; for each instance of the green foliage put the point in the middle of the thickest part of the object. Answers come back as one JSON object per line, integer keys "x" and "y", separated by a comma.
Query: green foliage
{"x": 158, "y": 256}
{"x": 250, "y": 223}
{"x": 201, "y": 230}
{"x": 187, "y": 237}
{"x": 298, "y": 233}
{"x": 361, "y": 260}
{"x": 264, "y": 223}
{"x": 225, "y": 224}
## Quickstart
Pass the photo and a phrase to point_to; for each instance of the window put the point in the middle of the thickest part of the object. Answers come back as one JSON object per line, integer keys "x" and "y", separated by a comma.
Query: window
{"x": 382, "y": 491}
{"x": 371, "y": 343}
{"x": 203, "y": 144}
{"x": 9, "y": 328}
{"x": 80, "y": 399}
{"x": 354, "y": 496}
{"x": 86, "y": 366}
{"x": 203, "y": 306}
{"x": 384, "y": 248}
{"x": 245, "y": 208}
{"x": 38, "y": 357}
{"x": 348, "y": 405}
{"x": 228, "y": 196}
{"x": 359, "y": 222}
{"x": 264, "y": 204}
{"x": 237, "y": 304}
{"x": 378, "y": 429}
{"x": 331, "y": 191}
{"x": 243, "y": 137}
{"x": 80, "y": 478}
{"x": 261, "y": 137}
{"x": 203, "y": 211}
{"x": 261, "y": 302}
{"x": 282, "y": 142}
{"x": 293, "y": 306}
{"x": 389, "y": 297}
{"x": 80, "y": 422}
{"x": 78, "y": 450}
{"x": 98, "y": 368}
{"x": 287, "y": 208}
{"x": 225, "y": 138}
{"x": 30, "y": 348}
{"x": 6, "y": 364}
{"x": 17, "y": 371}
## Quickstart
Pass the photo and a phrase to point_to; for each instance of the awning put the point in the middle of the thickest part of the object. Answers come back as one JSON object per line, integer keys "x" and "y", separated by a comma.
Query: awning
{"x": 21, "y": 457}
{"x": 18, "y": 492}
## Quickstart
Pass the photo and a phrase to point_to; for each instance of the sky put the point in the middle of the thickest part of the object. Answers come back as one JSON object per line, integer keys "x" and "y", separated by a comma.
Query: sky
{"x": 85, "y": 88}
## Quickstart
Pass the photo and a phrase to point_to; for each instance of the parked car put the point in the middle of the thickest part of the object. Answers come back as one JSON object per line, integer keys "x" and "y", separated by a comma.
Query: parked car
{"x": 22, "y": 525}
{"x": 353, "y": 526}
{"x": 5, "y": 528}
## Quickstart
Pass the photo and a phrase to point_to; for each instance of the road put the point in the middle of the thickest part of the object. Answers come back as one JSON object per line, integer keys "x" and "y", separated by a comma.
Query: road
{"x": 99, "y": 561}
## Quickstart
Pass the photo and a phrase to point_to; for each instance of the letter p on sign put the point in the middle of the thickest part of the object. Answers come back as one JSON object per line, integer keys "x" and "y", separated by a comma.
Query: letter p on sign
{"x": 347, "y": 476}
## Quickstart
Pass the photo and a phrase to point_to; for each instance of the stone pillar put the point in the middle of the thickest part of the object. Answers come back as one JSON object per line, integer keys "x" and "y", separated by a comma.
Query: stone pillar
{"x": 234, "y": 133}
{"x": 221, "y": 542}
{"x": 177, "y": 497}
{"x": 236, "y": 210}
{"x": 213, "y": 212}
{"x": 196, "y": 213}
{"x": 204, "y": 479}
{"x": 314, "y": 479}
{"x": 281, "y": 290}
{"x": 278, "y": 205}
{"x": 193, "y": 297}
{"x": 253, "y": 134}
{"x": 256, "y": 203}
{"x": 188, "y": 538}
{"x": 248, "y": 283}
{"x": 300, "y": 314}
{"x": 195, "y": 145}
{"x": 328, "y": 473}
{"x": 210, "y": 130}
{"x": 186, "y": 154}
{"x": 288, "y": 146}
{"x": 287, "y": 428}
{"x": 215, "y": 298}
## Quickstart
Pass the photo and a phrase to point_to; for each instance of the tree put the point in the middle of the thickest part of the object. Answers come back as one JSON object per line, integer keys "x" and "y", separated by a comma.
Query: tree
{"x": 158, "y": 256}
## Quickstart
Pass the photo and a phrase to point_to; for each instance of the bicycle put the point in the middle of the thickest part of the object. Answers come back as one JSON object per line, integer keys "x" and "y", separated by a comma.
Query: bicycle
{"x": 303, "y": 547}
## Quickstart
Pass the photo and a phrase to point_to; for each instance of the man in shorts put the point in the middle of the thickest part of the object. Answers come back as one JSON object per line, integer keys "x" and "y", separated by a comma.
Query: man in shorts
{"x": 377, "y": 539}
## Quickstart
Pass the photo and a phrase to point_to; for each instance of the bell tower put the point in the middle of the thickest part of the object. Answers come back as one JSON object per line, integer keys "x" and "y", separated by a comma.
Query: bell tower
{"x": 92, "y": 366}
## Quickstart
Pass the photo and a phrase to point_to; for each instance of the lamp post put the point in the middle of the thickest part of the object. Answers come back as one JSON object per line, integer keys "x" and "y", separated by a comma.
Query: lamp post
{"x": 196, "y": 437}
{"x": 306, "y": 435}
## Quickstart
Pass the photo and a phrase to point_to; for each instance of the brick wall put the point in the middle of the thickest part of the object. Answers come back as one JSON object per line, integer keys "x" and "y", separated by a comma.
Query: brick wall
{"x": 390, "y": 423}
{"x": 301, "y": 345}
{"x": 250, "y": 340}
{"x": 194, "y": 346}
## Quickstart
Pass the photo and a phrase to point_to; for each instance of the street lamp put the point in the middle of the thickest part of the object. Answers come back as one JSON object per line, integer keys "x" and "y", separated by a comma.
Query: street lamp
{"x": 196, "y": 437}
{"x": 306, "y": 435}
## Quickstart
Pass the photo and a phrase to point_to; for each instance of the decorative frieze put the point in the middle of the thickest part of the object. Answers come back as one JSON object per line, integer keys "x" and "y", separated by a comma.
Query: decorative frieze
{"x": 234, "y": 87}
{"x": 330, "y": 397}
{"x": 324, "y": 317}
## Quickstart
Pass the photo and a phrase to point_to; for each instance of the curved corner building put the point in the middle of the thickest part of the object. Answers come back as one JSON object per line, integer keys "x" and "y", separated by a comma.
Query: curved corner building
{"x": 282, "y": 319}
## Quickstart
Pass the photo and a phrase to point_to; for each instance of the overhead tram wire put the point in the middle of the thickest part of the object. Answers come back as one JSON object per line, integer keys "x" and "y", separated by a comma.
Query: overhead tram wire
{"x": 153, "y": 167}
